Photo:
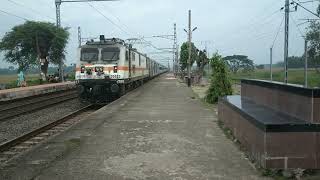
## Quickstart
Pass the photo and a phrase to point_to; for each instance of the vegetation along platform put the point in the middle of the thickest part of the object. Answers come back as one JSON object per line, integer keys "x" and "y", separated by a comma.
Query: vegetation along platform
{"x": 158, "y": 131}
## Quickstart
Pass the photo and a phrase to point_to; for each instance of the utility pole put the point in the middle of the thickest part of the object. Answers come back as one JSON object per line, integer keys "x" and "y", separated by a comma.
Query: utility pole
{"x": 189, "y": 50}
{"x": 271, "y": 75}
{"x": 58, "y": 3}
{"x": 177, "y": 60}
{"x": 306, "y": 63}
{"x": 79, "y": 36}
{"x": 286, "y": 40}
{"x": 175, "y": 48}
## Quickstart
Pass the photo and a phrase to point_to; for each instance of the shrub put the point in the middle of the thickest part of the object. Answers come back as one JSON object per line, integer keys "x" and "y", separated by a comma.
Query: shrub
{"x": 220, "y": 83}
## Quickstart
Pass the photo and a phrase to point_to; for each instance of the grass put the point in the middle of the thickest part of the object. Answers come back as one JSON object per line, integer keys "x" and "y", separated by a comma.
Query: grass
{"x": 295, "y": 76}
{"x": 7, "y": 79}
{"x": 11, "y": 80}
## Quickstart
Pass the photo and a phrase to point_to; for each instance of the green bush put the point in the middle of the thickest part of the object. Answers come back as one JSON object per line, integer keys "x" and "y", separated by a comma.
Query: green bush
{"x": 220, "y": 83}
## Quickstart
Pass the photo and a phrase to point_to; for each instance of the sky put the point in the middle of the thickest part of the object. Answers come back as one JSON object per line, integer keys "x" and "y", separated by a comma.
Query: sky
{"x": 230, "y": 27}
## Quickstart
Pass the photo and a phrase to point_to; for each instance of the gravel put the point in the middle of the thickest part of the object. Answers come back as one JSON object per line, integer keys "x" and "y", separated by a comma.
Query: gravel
{"x": 20, "y": 125}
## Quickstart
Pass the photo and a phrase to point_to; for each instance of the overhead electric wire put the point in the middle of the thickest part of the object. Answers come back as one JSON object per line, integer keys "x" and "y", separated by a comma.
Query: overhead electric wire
{"x": 32, "y": 10}
{"x": 306, "y": 9}
{"x": 256, "y": 27}
{"x": 11, "y": 14}
{"x": 299, "y": 30}
{"x": 118, "y": 19}
{"x": 119, "y": 27}
{"x": 279, "y": 29}
{"x": 20, "y": 17}
{"x": 108, "y": 19}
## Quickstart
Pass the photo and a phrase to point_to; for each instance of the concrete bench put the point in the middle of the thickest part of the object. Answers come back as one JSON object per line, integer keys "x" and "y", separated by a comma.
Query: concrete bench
{"x": 276, "y": 123}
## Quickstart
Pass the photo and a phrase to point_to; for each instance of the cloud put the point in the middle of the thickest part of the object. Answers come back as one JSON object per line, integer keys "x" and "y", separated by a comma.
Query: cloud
{"x": 232, "y": 27}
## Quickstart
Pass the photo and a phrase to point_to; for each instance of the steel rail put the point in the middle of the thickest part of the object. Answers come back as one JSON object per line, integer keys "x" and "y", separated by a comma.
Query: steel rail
{"x": 16, "y": 141}
{"x": 14, "y": 111}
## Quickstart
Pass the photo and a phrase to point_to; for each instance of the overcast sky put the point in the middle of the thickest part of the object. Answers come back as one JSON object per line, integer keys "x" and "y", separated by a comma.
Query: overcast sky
{"x": 230, "y": 27}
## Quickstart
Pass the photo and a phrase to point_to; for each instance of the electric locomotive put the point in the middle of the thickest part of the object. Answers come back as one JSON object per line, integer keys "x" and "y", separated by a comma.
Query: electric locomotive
{"x": 108, "y": 68}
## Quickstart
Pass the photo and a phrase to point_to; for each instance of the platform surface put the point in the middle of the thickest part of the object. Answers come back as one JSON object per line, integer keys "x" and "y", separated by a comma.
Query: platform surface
{"x": 16, "y": 93}
{"x": 155, "y": 132}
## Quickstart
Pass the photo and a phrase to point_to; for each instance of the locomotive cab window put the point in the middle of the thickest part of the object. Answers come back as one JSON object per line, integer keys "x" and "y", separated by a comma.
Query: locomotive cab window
{"x": 89, "y": 54}
{"x": 110, "y": 54}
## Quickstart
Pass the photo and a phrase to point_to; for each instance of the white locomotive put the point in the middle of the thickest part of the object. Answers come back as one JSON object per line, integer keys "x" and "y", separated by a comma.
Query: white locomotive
{"x": 109, "y": 68}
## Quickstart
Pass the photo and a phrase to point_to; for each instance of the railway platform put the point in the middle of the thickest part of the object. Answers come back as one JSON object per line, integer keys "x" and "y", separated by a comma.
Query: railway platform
{"x": 23, "y": 92}
{"x": 158, "y": 131}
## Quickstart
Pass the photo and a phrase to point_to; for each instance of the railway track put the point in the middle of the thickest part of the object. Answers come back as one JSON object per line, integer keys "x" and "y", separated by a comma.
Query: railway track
{"x": 14, "y": 147}
{"x": 15, "y": 108}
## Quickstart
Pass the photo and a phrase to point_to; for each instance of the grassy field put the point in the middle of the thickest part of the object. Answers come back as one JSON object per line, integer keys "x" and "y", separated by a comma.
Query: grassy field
{"x": 11, "y": 80}
{"x": 295, "y": 76}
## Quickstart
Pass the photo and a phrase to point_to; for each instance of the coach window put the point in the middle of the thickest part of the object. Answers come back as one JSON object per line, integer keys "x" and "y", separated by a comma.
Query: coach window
{"x": 139, "y": 59}
{"x": 133, "y": 56}
{"x": 127, "y": 55}
{"x": 134, "y": 69}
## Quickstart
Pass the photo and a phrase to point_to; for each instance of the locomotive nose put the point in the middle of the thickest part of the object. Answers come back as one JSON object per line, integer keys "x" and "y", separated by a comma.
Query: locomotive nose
{"x": 97, "y": 90}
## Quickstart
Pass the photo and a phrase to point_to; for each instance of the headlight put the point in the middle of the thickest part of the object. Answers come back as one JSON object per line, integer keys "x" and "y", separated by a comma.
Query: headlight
{"x": 82, "y": 69}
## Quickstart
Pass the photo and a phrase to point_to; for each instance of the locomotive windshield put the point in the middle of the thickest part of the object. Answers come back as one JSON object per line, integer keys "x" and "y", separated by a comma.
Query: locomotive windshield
{"x": 89, "y": 54}
{"x": 110, "y": 54}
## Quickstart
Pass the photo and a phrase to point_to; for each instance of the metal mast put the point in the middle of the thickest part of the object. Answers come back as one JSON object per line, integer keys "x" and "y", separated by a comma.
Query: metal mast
{"x": 58, "y": 3}
{"x": 306, "y": 62}
{"x": 79, "y": 36}
{"x": 286, "y": 41}
{"x": 175, "y": 49}
{"x": 189, "y": 50}
{"x": 271, "y": 63}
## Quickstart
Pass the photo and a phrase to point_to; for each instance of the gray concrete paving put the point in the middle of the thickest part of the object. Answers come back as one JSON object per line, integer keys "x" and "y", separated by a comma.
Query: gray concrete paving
{"x": 155, "y": 132}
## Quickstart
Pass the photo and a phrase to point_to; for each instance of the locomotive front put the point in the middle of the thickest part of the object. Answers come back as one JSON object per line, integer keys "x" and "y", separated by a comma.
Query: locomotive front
{"x": 98, "y": 76}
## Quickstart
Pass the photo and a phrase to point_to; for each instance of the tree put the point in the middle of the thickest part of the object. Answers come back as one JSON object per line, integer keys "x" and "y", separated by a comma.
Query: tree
{"x": 237, "y": 62}
{"x": 184, "y": 55}
{"x": 220, "y": 84}
{"x": 202, "y": 60}
{"x": 34, "y": 43}
{"x": 314, "y": 44}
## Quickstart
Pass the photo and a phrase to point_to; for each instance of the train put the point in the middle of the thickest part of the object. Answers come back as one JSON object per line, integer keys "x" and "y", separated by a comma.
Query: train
{"x": 108, "y": 68}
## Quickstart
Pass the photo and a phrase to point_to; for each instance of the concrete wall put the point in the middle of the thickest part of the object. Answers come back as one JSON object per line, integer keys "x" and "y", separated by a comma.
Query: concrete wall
{"x": 301, "y": 106}
{"x": 274, "y": 150}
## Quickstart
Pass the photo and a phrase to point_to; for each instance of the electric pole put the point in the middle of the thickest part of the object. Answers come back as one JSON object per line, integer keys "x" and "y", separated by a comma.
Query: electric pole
{"x": 271, "y": 75}
{"x": 189, "y": 50}
{"x": 177, "y": 60}
{"x": 79, "y": 36}
{"x": 58, "y": 3}
{"x": 306, "y": 62}
{"x": 175, "y": 49}
{"x": 286, "y": 40}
